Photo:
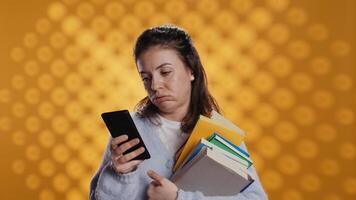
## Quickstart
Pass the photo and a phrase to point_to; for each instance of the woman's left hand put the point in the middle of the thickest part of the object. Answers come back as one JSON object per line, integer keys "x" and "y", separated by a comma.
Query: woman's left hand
{"x": 161, "y": 188}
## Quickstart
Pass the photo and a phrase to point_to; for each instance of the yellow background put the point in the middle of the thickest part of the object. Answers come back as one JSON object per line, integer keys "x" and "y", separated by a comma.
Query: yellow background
{"x": 282, "y": 70}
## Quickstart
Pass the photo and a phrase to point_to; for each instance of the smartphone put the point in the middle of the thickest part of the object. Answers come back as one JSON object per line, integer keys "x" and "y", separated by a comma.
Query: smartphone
{"x": 121, "y": 123}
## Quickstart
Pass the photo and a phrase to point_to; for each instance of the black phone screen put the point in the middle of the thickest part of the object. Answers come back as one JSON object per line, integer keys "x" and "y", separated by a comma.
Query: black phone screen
{"x": 121, "y": 123}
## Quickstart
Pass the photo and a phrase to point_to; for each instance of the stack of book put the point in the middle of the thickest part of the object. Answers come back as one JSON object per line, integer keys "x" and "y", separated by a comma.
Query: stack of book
{"x": 211, "y": 161}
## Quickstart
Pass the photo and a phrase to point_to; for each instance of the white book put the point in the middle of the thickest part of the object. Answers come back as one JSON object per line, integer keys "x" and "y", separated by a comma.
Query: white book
{"x": 213, "y": 174}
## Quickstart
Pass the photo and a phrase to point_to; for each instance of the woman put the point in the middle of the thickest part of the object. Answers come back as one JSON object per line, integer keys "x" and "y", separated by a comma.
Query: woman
{"x": 177, "y": 94}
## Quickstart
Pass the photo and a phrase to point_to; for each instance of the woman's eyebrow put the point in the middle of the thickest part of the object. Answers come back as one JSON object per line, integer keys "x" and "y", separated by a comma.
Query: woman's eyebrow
{"x": 159, "y": 66}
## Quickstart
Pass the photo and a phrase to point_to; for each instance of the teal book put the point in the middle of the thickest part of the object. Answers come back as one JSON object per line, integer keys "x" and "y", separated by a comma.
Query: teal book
{"x": 224, "y": 144}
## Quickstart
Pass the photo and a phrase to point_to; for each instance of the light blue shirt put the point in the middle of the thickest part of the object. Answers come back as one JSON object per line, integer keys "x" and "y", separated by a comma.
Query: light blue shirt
{"x": 108, "y": 185}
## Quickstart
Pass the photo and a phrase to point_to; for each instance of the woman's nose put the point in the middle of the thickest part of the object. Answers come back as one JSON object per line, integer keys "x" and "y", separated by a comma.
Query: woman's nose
{"x": 156, "y": 83}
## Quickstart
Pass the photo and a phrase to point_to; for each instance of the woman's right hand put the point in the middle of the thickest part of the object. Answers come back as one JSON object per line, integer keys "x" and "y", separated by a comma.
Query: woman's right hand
{"x": 123, "y": 163}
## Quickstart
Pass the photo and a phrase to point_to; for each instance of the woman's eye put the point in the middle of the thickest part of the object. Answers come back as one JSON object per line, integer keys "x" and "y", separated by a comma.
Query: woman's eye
{"x": 165, "y": 73}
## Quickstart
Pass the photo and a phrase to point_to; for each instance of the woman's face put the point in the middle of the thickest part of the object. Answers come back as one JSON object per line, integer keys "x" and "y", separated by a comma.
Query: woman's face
{"x": 166, "y": 79}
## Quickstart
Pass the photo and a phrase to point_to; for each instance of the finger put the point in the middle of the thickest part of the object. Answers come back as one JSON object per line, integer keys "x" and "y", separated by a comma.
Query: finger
{"x": 155, "y": 176}
{"x": 127, "y": 145}
{"x": 128, "y": 167}
{"x": 131, "y": 155}
{"x": 118, "y": 140}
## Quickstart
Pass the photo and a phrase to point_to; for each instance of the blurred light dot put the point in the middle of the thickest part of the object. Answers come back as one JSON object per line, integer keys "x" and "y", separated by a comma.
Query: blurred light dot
{"x": 310, "y": 182}
{"x": 331, "y": 197}
{"x": 272, "y": 180}
{"x": 254, "y": 130}
{"x": 246, "y": 67}
{"x": 74, "y": 111}
{"x": 45, "y": 82}
{"x": 74, "y": 194}
{"x": 263, "y": 82}
{"x": 32, "y": 95}
{"x": 72, "y": 54}
{"x": 241, "y": 6}
{"x": 244, "y": 35}
{"x": 17, "y": 54}
{"x": 60, "y": 153}
{"x": 325, "y": 132}
{"x": 46, "y": 110}
{"x": 44, "y": 54}
{"x": 301, "y": 82}
{"x": 71, "y": 25}
{"x": 320, "y": 65}
{"x": 280, "y": 66}
{"x": 345, "y": 116}
{"x": 266, "y": 114}
{"x": 19, "y": 109}
{"x": 277, "y": 5}
{"x": 347, "y": 150}
{"x": 247, "y": 98}
{"x": 101, "y": 25}
{"x": 87, "y": 39}
{"x": 283, "y": 98}
{"x": 73, "y": 82}
{"x": 323, "y": 99}
{"x": 285, "y": 131}
{"x": 130, "y": 21}
{"x": 278, "y": 33}
{"x": 292, "y": 194}
{"x": 46, "y": 138}
{"x": 304, "y": 115}
{"x": 57, "y": 11}
{"x": 33, "y": 153}
{"x": 32, "y": 181}
{"x": 18, "y": 166}
{"x": 75, "y": 169}
{"x": 46, "y": 194}
{"x": 329, "y": 167}
{"x": 317, "y": 32}
{"x": 114, "y": 10}
{"x": 5, "y": 96}
{"x": 307, "y": 148}
{"x": 88, "y": 155}
{"x": 47, "y": 168}
{"x": 261, "y": 50}
{"x": 144, "y": 9}
{"x": 176, "y": 8}
{"x": 260, "y": 18}
{"x": 5, "y": 123}
{"x": 61, "y": 182}
{"x": 299, "y": 49}
{"x": 60, "y": 124}
{"x": 43, "y": 26}
{"x": 30, "y": 40}
{"x": 340, "y": 48}
{"x": 59, "y": 68}
{"x": 267, "y": 142}
{"x": 19, "y": 138}
{"x": 60, "y": 96}
{"x": 31, "y": 68}
{"x": 159, "y": 18}
{"x": 342, "y": 82}
{"x": 33, "y": 124}
{"x": 85, "y": 10}
{"x": 288, "y": 164}
{"x": 296, "y": 16}
{"x": 350, "y": 185}
{"x": 58, "y": 40}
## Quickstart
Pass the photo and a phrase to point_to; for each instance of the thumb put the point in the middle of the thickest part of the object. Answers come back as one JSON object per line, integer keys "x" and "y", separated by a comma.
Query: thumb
{"x": 155, "y": 176}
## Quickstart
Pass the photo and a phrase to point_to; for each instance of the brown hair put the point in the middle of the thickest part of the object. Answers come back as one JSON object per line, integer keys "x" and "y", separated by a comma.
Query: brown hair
{"x": 170, "y": 36}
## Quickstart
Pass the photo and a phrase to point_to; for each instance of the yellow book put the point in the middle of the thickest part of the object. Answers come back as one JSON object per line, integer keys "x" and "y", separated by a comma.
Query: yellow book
{"x": 203, "y": 129}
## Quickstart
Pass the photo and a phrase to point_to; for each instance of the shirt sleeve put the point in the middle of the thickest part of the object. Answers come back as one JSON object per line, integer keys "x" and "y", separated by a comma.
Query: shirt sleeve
{"x": 106, "y": 184}
{"x": 253, "y": 192}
